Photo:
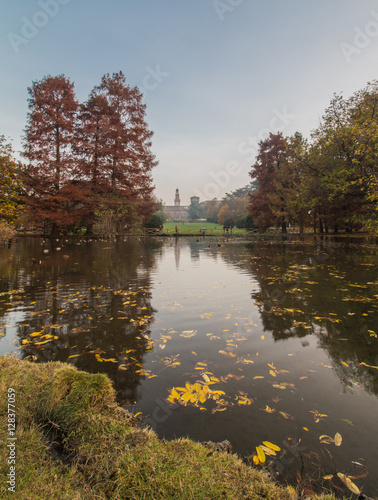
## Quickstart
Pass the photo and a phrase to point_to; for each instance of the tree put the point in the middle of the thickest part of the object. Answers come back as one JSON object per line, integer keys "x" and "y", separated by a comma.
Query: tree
{"x": 154, "y": 221}
{"x": 211, "y": 210}
{"x": 226, "y": 216}
{"x": 264, "y": 171}
{"x": 237, "y": 202}
{"x": 292, "y": 196}
{"x": 54, "y": 193}
{"x": 347, "y": 141}
{"x": 195, "y": 211}
{"x": 11, "y": 186}
{"x": 115, "y": 147}
{"x": 91, "y": 162}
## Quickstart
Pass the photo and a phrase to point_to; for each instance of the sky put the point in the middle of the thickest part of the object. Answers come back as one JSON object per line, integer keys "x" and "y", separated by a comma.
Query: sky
{"x": 217, "y": 75}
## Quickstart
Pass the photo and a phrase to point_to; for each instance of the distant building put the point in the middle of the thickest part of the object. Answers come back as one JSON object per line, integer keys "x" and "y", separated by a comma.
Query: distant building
{"x": 177, "y": 211}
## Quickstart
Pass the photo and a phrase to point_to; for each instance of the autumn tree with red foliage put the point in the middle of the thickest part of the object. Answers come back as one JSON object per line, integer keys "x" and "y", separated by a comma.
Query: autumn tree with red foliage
{"x": 54, "y": 191}
{"x": 88, "y": 160}
{"x": 271, "y": 155}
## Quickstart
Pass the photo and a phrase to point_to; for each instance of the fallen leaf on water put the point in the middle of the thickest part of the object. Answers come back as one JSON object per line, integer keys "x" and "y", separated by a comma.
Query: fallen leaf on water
{"x": 188, "y": 333}
{"x": 347, "y": 421}
{"x": 272, "y": 446}
{"x": 268, "y": 409}
{"x": 338, "y": 439}
{"x": 268, "y": 451}
{"x": 326, "y": 439}
{"x": 287, "y": 415}
{"x": 260, "y": 454}
{"x": 349, "y": 483}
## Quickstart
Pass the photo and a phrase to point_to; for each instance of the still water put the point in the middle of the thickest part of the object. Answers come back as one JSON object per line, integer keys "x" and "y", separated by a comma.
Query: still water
{"x": 286, "y": 329}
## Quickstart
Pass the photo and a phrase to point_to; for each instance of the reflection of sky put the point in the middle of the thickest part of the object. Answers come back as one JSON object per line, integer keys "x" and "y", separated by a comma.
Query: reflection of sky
{"x": 8, "y": 325}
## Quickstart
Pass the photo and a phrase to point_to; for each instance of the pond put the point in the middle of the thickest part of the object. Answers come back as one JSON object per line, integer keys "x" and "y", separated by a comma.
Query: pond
{"x": 249, "y": 340}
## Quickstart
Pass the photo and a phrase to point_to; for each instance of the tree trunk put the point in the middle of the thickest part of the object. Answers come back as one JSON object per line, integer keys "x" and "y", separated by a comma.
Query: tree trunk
{"x": 301, "y": 225}
{"x": 54, "y": 230}
{"x": 283, "y": 227}
{"x": 89, "y": 229}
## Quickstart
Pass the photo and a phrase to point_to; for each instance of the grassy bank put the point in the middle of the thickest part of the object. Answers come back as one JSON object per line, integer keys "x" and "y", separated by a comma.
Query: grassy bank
{"x": 196, "y": 227}
{"x": 75, "y": 443}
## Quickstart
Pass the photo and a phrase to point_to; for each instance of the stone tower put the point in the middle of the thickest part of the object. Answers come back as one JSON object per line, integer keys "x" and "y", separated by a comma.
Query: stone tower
{"x": 177, "y": 198}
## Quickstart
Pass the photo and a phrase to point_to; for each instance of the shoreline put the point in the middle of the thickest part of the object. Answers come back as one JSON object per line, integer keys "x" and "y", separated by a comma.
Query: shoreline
{"x": 74, "y": 441}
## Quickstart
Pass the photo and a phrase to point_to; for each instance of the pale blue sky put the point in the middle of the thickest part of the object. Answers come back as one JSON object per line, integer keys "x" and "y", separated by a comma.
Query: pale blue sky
{"x": 218, "y": 74}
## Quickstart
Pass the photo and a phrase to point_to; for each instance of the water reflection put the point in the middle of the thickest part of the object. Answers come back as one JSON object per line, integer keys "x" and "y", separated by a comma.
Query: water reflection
{"x": 329, "y": 290}
{"x": 89, "y": 304}
{"x": 288, "y": 325}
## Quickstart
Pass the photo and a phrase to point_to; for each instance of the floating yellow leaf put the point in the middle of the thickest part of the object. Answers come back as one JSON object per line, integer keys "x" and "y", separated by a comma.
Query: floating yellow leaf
{"x": 326, "y": 439}
{"x": 349, "y": 483}
{"x": 330, "y": 476}
{"x": 268, "y": 451}
{"x": 260, "y": 454}
{"x": 175, "y": 394}
{"x": 272, "y": 446}
{"x": 272, "y": 373}
{"x": 257, "y": 377}
{"x": 256, "y": 460}
{"x": 268, "y": 409}
{"x": 338, "y": 439}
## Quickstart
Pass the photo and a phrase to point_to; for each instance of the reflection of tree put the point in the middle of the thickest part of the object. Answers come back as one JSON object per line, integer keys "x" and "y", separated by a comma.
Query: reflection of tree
{"x": 90, "y": 304}
{"x": 322, "y": 288}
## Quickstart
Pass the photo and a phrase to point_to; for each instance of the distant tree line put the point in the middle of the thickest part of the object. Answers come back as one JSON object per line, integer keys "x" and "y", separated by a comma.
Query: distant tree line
{"x": 329, "y": 183}
{"x": 230, "y": 211}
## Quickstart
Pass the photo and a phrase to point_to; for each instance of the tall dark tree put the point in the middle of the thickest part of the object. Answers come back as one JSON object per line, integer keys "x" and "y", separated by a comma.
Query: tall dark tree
{"x": 54, "y": 197}
{"x": 269, "y": 160}
{"x": 115, "y": 149}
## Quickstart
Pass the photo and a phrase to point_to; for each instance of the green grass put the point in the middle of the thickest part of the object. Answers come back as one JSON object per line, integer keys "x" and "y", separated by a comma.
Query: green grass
{"x": 102, "y": 452}
{"x": 195, "y": 228}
